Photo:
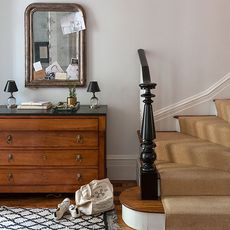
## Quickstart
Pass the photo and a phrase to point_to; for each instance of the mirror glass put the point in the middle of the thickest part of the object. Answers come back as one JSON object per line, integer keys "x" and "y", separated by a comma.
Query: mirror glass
{"x": 55, "y": 45}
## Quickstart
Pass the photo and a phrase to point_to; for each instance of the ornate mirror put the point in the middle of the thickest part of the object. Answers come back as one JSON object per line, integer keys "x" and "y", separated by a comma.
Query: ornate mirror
{"x": 55, "y": 45}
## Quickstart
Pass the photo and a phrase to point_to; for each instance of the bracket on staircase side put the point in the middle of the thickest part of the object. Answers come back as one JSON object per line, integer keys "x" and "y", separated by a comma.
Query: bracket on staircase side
{"x": 148, "y": 171}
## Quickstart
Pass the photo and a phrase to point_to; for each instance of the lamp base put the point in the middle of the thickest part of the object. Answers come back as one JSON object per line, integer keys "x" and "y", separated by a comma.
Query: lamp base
{"x": 94, "y": 106}
{"x": 11, "y": 106}
{"x": 11, "y": 102}
{"x": 94, "y": 103}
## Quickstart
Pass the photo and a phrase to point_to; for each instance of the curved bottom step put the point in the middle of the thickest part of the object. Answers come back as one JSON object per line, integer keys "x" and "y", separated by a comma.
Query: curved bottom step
{"x": 141, "y": 214}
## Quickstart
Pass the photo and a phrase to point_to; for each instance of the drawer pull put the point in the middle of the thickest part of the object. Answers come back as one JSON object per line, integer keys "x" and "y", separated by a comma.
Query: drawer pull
{"x": 10, "y": 157}
{"x": 10, "y": 177}
{"x": 79, "y": 158}
{"x": 78, "y": 177}
{"x": 79, "y": 138}
{"x": 44, "y": 157}
{"x": 9, "y": 139}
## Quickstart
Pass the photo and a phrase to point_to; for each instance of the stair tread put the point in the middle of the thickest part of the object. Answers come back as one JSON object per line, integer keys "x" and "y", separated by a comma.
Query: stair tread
{"x": 171, "y": 135}
{"x": 131, "y": 199}
{"x": 180, "y": 179}
{"x": 189, "y": 204}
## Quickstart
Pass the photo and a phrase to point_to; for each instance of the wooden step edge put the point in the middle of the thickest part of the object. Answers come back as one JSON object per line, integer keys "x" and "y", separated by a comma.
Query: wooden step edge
{"x": 179, "y": 116}
{"x": 221, "y": 99}
{"x": 131, "y": 199}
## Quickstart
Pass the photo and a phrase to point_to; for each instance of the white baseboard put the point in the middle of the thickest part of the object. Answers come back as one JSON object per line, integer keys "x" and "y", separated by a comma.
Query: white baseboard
{"x": 121, "y": 167}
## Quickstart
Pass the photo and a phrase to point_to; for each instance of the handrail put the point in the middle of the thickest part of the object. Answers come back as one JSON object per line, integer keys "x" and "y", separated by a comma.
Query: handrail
{"x": 144, "y": 66}
{"x": 148, "y": 171}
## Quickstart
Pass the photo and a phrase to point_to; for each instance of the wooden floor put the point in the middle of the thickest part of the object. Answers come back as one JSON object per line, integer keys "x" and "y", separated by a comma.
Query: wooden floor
{"x": 51, "y": 200}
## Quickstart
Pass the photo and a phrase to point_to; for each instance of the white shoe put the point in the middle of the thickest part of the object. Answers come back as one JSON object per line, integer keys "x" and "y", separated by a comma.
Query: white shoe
{"x": 62, "y": 208}
{"x": 74, "y": 211}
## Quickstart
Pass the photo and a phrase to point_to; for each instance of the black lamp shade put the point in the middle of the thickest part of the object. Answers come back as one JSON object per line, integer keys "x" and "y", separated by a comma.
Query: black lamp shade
{"x": 93, "y": 87}
{"x": 11, "y": 86}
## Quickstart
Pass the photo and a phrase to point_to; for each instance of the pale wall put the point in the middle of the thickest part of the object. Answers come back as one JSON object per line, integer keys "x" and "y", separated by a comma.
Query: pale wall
{"x": 187, "y": 44}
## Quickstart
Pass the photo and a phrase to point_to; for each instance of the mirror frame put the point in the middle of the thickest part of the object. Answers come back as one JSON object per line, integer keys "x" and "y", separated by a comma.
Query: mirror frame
{"x": 28, "y": 18}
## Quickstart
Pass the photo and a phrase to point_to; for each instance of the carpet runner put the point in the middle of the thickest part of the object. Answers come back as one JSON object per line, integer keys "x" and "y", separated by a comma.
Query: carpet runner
{"x": 194, "y": 168}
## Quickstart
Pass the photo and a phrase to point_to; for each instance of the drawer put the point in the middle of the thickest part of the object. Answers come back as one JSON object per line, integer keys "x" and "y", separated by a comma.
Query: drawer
{"x": 52, "y": 123}
{"x": 42, "y": 176}
{"x": 49, "y": 139}
{"x": 49, "y": 157}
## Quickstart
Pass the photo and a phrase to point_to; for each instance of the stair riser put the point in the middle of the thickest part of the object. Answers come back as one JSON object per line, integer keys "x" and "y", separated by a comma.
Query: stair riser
{"x": 179, "y": 179}
{"x": 210, "y": 128}
{"x": 223, "y": 109}
{"x": 191, "y": 187}
{"x": 197, "y": 212}
{"x": 195, "y": 153}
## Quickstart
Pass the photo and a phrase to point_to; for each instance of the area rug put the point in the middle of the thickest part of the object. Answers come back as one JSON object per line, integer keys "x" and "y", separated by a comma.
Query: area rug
{"x": 12, "y": 218}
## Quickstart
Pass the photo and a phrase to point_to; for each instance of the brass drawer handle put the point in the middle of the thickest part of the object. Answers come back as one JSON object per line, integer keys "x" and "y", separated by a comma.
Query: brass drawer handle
{"x": 78, "y": 176}
{"x": 10, "y": 157}
{"x": 9, "y": 139}
{"x": 79, "y": 157}
{"x": 10, "y": 177}
{"x": 79, "y": 138}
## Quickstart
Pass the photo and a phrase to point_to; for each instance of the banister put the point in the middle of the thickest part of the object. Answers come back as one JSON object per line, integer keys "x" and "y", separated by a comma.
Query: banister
{"x": 144, "y": 66}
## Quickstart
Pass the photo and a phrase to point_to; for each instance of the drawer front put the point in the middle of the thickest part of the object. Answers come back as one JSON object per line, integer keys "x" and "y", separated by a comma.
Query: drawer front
{"x": 48, "y": 124}
{"x": 57, "y": 176}
{"x": 49, "y": 157}
{"x": 48, "y": 139}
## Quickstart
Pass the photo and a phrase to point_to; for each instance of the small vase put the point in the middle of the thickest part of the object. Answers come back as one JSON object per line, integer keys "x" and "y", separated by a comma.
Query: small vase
{"x": 71, "y": 101}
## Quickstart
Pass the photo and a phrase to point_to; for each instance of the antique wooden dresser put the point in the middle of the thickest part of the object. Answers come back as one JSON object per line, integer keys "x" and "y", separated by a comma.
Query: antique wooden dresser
{"x": 46, "y": 151}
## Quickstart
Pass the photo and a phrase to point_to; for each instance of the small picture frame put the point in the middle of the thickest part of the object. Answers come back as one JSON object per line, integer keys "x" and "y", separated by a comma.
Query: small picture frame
{"x": 41, "y": 52}
{"x": 74, "y": 61}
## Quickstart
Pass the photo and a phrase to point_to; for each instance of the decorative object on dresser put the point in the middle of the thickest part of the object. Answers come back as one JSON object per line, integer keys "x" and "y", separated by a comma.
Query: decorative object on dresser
{"x": 35, "y": 105}
{"x": 63, "y": 107}
{"x": 11, "y": 87}
{"x": 72, "y": 98}
{"x": 93, "y": 87}
{"x": 42, "y": 151}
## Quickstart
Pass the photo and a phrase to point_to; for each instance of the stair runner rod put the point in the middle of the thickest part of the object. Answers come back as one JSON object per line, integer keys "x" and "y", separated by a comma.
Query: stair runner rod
{"x": 148, "y": 171}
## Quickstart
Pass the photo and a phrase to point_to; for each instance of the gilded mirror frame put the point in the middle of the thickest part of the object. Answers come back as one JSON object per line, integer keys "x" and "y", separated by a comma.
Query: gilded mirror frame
{"x": 29, "y": 71}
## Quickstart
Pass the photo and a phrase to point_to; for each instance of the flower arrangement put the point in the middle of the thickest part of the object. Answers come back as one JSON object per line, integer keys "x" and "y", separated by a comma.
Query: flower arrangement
{"x": 72, "y": 91}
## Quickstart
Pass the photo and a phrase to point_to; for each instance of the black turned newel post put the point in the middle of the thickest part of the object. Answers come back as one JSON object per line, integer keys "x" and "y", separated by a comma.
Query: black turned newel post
{"x": 148, "y": 171}
{"x": 149, "y": 176}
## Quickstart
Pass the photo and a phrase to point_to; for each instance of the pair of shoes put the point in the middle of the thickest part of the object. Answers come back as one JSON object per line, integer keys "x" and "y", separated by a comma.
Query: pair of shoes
{"x": 65, "y": 206}
{"x": 74, "y": 211}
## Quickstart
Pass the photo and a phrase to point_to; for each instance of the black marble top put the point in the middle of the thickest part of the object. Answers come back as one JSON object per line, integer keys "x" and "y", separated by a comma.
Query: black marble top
{"x": 82, "y": 110}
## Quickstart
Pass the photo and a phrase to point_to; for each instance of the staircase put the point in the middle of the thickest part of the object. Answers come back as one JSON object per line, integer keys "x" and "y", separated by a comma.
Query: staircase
{"x": 194, "y": 169}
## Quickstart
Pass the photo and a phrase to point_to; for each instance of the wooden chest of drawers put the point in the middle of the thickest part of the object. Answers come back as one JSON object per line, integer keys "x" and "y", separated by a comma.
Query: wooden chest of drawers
{"x": 49, "y": 152}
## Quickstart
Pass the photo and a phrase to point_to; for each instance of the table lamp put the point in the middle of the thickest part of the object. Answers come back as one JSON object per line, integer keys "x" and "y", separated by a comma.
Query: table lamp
{"x": 11, "y": 87}
{"x": 93, "y": 87}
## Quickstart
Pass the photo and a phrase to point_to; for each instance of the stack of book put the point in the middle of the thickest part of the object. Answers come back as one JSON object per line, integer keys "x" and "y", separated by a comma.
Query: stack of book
{"x": 35, "y": 105}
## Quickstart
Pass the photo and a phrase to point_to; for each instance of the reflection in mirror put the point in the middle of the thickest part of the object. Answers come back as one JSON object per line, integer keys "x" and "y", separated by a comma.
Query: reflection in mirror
{"x": 55, "y": 51}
